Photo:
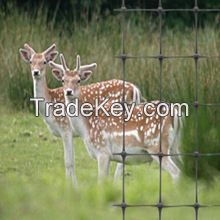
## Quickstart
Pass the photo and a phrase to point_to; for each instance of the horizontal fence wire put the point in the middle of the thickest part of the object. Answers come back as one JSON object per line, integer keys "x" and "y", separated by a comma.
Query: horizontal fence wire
{"x": 161, "y": 10}
{"x": 161, "y": 57}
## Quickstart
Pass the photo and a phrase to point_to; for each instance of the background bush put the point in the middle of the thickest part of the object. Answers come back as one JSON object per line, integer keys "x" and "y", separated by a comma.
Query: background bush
{"x": 86, "y": 10}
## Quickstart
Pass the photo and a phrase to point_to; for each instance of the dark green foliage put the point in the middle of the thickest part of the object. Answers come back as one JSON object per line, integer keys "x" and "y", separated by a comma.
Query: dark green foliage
{"x": 201, "y": 134}
{"x": 19, "y": 91}
{"x": 87, "y": 10}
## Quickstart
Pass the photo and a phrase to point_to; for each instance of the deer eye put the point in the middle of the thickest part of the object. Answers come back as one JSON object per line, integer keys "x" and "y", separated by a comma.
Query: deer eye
{"x": 30, "y": 62}
{"x": 45, "y": 62}
{"x": 62, "y": 80}
{"x": 78, "y": 81}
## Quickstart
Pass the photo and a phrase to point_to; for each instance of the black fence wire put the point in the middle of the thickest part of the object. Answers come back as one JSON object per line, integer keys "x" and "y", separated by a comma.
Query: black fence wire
{"x": 196, "y": 205}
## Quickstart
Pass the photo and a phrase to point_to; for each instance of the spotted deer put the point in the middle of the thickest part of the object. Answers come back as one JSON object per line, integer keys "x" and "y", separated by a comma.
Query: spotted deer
{"x": 103, "y": 136}
{"x": 60, "y": 126}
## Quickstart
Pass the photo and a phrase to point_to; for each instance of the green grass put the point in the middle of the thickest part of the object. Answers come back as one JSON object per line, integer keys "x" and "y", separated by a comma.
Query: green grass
{"x": 100, "y": 41}
{"x": 33, "y": 184}
{"x": 32, "y": 181}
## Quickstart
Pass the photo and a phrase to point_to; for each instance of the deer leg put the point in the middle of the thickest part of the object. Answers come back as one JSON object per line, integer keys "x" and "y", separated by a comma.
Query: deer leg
{"x": 69, "y": 157}
{"x": 171, "y": 167}
{"x": 166, "y": 163}
{"x": 103, "y": 166}
{"x": 118, "y": 171}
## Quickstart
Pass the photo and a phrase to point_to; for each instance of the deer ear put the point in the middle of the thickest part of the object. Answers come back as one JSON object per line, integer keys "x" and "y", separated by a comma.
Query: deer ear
{"x": 25, "y": 55}
{"x": 51, "y": 56}
{"x": 85, "y": 75}
{"x": 50, "y": 53}
{"x": 58, "y": 74}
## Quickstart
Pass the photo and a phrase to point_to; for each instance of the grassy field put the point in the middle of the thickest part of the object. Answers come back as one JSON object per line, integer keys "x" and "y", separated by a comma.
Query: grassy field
{"x": 33, "y": 185}
{"x": 32, "y": 181}
{"x": 100, "y": 41}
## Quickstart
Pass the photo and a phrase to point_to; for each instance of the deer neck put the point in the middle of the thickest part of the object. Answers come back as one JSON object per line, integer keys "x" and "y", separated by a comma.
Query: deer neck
{"x": 79, "y": 123}
{"x": 41, "y": 91}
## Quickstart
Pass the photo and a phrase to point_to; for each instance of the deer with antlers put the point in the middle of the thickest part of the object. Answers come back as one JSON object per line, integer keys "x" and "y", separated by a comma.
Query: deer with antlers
{"x": 103, "y": 136}
{"x": 60, "y": 126}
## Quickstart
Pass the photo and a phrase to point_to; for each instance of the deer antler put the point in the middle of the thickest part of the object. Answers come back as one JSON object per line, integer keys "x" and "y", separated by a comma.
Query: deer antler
{"x": 56, "y": 66}
{"x": 63, "y": 62}
{"x": 84, "y": 67}
{"x": 77, "y": 63}
{"x": 88, "y": 67}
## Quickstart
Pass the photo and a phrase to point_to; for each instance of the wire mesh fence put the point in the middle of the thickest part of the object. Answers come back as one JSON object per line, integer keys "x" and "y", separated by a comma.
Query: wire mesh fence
{"x": 196, "y": 154}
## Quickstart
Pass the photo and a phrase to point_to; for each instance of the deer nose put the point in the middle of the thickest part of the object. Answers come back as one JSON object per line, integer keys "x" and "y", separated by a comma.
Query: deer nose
{"x": 36, "y": 72}
{"x": 68, "y": 92}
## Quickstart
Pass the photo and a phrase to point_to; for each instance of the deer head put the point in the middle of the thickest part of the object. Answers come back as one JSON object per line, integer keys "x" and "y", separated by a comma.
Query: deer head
{"x": 71, "y": 78}
{"x": 38, "y": 61}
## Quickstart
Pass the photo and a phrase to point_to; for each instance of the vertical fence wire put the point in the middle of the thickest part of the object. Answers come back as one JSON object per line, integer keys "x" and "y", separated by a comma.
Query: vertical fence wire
{"x": 196, "y": 207}
{"x": 160, "y": 156}
{"x": 123, "y": 153}
{"x": 161, "y": 57}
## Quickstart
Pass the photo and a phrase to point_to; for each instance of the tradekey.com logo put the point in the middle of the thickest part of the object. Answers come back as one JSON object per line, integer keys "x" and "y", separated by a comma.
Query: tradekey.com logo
{"x": 116, "y": 109}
